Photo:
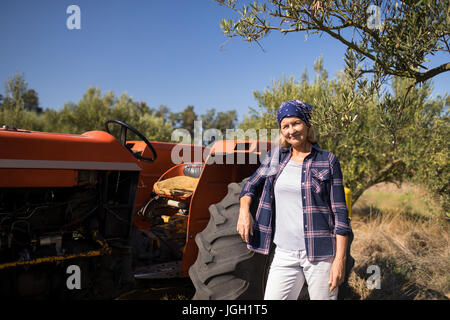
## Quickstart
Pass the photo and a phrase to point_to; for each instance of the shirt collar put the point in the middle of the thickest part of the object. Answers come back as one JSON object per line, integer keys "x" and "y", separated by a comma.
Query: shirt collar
{"x": 315, "y": 146}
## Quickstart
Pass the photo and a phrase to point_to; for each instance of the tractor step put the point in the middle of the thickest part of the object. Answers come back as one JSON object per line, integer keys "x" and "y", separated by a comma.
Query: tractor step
{"x": 159, "y": 271}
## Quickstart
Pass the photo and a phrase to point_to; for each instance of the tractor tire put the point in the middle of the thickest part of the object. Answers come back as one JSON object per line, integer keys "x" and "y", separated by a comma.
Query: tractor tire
{"x": 225, "y": 268}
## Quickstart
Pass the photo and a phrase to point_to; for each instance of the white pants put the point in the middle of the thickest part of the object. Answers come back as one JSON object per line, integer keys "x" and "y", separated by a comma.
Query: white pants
{"x": 288, "y": 272}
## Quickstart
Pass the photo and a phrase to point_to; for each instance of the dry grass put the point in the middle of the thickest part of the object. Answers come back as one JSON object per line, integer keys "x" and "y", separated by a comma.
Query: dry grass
{"x": 411, "y": 247}
{"x": 410, "y": 199}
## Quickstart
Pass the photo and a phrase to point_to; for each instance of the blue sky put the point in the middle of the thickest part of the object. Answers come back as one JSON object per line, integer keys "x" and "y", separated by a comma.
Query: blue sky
{"x": 160, "y": 52}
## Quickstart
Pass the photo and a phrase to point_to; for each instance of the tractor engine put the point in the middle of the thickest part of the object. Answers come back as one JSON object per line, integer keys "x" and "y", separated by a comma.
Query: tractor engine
{"x": 67, "y": 204}
{"x": 44, "y": 230}
{"x": 34, "y": 223}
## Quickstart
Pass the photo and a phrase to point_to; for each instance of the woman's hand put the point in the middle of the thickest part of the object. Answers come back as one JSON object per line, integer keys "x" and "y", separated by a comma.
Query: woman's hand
{"x": 337, "y": 273}
{"x": 337, "y": 270}
{"x": 245, "y": 221}
{"x": 245, "y": 224}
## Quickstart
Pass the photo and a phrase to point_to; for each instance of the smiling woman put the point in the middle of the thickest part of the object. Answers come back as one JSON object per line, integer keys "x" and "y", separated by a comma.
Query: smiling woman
{"x": 302, "y": 210}
{"x": 311, "y": 134}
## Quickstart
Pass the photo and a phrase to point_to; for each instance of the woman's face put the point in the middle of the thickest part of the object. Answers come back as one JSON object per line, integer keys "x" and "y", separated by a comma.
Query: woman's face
{"x": 294, "y": 130}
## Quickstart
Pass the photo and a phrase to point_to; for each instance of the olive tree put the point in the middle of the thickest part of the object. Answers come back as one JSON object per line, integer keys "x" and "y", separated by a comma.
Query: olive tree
{"x": 392, "y": 37}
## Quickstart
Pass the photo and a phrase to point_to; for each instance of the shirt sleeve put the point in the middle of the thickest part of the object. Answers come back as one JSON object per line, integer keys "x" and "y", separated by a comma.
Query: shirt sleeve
{"x": 253, "y": 186}
{"x": 337, "y": 199}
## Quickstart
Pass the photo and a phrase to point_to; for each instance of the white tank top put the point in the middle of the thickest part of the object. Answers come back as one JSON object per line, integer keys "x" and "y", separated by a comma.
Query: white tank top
{"x": 289, "y": 227}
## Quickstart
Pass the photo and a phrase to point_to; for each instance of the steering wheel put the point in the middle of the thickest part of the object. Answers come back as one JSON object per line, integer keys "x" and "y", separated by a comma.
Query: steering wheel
{"x": 124, "y": 127}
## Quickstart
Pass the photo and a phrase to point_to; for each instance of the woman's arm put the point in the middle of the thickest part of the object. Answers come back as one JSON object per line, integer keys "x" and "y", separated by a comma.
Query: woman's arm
{"x": 254, "y": 184}
{"x": 337, "y": 271}
{"x": 251, "y": 190}
{"x": 337, "y": 199}
{"x": 245, "y": 221}
{"x": 342, "y": 225}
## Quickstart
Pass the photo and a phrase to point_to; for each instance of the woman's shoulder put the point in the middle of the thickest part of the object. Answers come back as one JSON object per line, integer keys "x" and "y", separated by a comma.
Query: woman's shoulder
{"x": 324, "y": 155}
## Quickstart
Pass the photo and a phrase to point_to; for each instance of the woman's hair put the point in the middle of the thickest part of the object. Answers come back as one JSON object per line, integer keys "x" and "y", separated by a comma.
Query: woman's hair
{"x": 312, "y": 137}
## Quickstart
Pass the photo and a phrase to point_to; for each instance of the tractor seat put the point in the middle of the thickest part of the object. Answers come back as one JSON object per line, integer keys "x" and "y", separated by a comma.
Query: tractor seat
{"x": 180, "y": 186}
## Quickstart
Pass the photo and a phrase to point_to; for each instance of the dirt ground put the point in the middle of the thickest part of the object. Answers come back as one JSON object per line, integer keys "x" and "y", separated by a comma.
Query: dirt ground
{"x": 161, "y": 289}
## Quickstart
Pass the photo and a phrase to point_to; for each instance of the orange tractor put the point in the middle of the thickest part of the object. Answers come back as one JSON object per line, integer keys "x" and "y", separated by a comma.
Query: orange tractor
{"x": 86, "y": 216}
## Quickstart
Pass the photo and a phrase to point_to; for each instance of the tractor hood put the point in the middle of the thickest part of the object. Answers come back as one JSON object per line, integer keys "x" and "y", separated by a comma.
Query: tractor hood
{"x": 93, "y": 150}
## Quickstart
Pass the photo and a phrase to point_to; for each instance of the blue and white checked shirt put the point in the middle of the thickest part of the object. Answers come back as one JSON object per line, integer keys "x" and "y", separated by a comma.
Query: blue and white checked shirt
{"x": 324, "y": 209}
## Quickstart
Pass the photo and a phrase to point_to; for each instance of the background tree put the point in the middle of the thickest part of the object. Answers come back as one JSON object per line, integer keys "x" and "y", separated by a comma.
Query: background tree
{"x": 31, "y": 101}
{"x": 163, "y": 111}
{"x": 184, "y": 119}
{"x": 429, "y": 149}
{"x": 15, "y": 88}
{"x": 17, "y": 117}
{"x": 93, "y": 110}
{"x": 20, "y": 105}
{"x": 220, "y": 121}
{"x": 20, "y": 109}
{"x": 18, "y": 95}
{"x": 90, "y": 113}
{"x": 395, "y": 37}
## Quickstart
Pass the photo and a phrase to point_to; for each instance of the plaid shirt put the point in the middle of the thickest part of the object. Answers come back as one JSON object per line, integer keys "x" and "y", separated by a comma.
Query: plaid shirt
{"x": 325, "y": 212}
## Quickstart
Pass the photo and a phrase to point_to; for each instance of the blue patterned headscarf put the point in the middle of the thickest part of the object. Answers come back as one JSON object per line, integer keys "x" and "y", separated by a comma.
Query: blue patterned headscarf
{"x": 295, "y": 108}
